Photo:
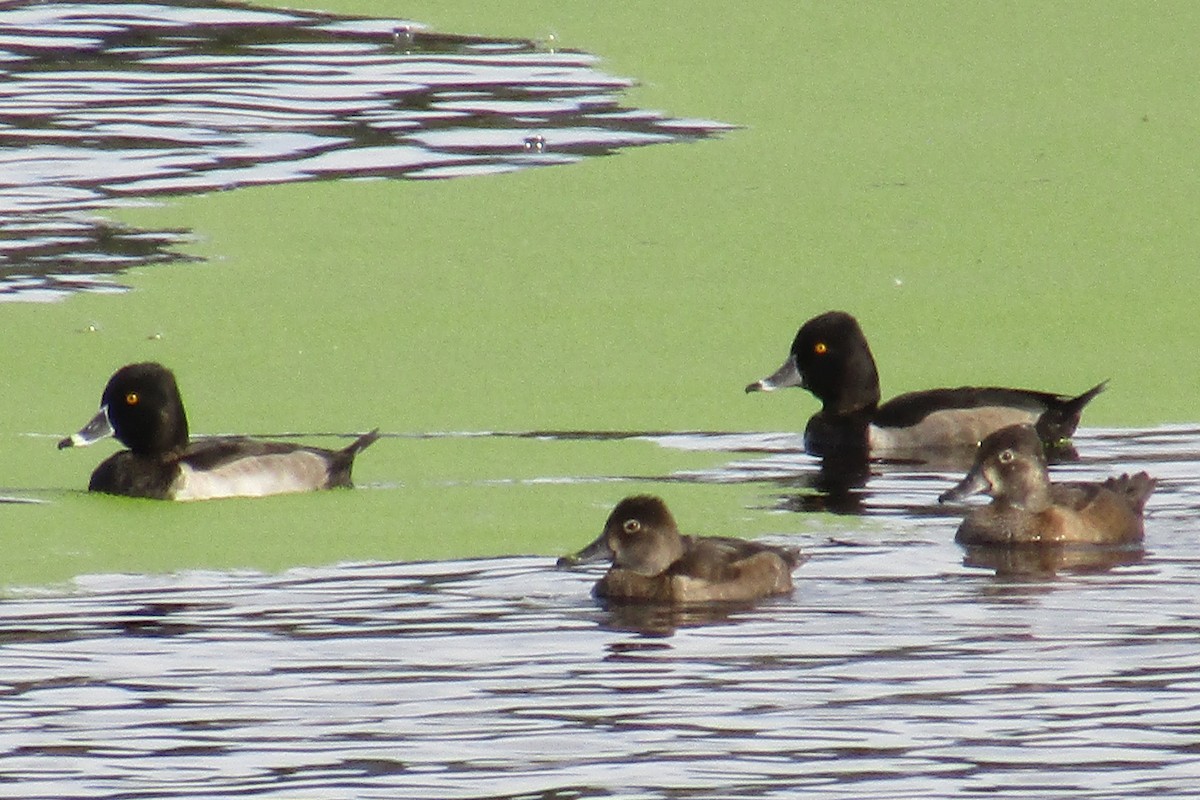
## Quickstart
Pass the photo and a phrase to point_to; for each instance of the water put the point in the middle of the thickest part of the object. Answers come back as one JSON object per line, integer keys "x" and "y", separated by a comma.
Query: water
{"x": 103, "y": 103}
{"x": 895, "y": 670}
{"x": 901, "y": 666}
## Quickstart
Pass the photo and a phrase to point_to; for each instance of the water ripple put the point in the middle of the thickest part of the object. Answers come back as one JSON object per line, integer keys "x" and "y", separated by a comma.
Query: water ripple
{"x": 897, "y": 669}
{"x": 104, "y": 102}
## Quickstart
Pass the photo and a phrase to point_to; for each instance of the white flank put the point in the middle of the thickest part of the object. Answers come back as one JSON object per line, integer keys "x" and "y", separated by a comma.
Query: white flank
{"x": 952, "y": 428}
{"x": 255, "y": 476}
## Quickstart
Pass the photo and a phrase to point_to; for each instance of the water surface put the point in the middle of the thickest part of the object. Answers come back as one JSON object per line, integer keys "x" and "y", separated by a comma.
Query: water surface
{"x": 108, "y": 102}
{"x": 996, "y": 203}
{"x": 895, "y": 669}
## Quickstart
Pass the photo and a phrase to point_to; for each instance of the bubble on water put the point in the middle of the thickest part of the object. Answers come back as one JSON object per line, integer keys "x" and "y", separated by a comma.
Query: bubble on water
{"x": 403, "y": 36}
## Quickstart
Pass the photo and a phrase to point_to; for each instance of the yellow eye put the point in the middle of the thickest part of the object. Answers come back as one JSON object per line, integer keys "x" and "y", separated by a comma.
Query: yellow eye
{"x": 131, "y": 399}
{"x": 820, "y": 348}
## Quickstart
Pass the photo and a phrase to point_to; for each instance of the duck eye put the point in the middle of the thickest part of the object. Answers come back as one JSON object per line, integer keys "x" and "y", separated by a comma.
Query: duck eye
{"x": 1006, "y": 456}
{"x": 131, "y": 399}
{"x": 820, "y": 348}
{"x": 632, "y": 526}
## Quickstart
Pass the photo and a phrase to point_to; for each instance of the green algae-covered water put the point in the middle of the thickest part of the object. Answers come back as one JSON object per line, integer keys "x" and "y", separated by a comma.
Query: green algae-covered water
{"x": 1000, "y": 197}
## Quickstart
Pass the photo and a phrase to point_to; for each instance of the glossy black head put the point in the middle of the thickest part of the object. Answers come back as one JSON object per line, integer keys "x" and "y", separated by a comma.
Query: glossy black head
{"x": 835, "y": 363}
{"x": 1011, "y": 467}
{"x": 145, "y": 410}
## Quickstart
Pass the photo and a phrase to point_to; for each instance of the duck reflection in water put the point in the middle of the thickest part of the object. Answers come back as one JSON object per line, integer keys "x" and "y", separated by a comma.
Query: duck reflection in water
{"x": 1048, "y": 560}
{"x": 654, "y": 565}
{"x": 839, "y": 486}
{"x": 663, "y": 620}
{"x": 1033, "y": 526}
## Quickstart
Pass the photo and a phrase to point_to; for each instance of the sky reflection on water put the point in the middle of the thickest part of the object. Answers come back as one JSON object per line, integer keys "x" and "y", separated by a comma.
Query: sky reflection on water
{"x": 105, "y": 103}
{"x": 895, "y": 670}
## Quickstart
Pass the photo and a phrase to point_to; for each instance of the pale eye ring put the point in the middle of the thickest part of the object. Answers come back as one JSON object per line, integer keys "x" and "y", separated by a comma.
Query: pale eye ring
{"x": 1006, "y": 456}
{"x": 632, "y": 526}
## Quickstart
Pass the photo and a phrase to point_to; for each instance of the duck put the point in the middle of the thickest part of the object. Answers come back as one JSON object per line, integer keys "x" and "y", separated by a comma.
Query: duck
{"x": 830, "y": 357}
{"x": 653, "y": 563}
{"x": 1028, "y": 509}
{"x": 141, "y": 406}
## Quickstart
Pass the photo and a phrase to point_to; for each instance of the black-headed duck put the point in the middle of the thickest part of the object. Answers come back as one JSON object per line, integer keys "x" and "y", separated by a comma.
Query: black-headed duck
{"x": 830, "y": 358}
{"x": 142, "y": 408}
{"x": 653, "y": 563}
{"x": 1028, "y": 509}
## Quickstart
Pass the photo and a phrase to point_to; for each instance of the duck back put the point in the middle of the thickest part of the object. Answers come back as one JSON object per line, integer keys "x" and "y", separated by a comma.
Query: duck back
{"x": 713, "y": 569}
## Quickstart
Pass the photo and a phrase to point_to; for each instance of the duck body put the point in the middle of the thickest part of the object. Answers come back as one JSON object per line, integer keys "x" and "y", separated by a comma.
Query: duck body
{"x": 713, "y": 570}
{"x": 141, "y": 406}
{"x": 1027, "y": 509}
{"x": 209, "y": 469}
{"x": 830, "y": 357}
{"x": 653, "y": 563}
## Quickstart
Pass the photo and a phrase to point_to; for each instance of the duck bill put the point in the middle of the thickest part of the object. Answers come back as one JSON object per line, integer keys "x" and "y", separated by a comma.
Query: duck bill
{"x": 594, "y": 553}
{"x": 97, "y": 428}
{"x": 787, "y": 375}
{"x": 974, "y": 483}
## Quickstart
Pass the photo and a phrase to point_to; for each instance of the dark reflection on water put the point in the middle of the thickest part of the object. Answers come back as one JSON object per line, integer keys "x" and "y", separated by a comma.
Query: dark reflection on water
{"x": 895, "y": 669}
{"x": 1170, "y": 453}
{"x": 1050, "y": 559}
{"x": 107, "y": 101}
{"x": 664, "y": 620}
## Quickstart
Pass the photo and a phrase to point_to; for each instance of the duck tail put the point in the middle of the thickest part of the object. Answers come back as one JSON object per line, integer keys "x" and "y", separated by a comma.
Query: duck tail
{"x": 1136, "y": 489}
{"x": 360, "y": 444}
{"x": 341, "y": 462}
{"x": 1057, "y": 423}
{"x": 792, "y": 556}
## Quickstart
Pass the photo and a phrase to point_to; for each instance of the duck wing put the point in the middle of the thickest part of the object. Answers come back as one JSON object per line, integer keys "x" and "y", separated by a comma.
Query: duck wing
{"x": 211, "y": 453}
{"x": 216, "y": 453}
{"x": 909, "y": 409}
{"x": 241, "y": 467}
{"x": 1075, "y": 495}
{"x": 715, "y": 557}
{"x": 1133, "y": 490}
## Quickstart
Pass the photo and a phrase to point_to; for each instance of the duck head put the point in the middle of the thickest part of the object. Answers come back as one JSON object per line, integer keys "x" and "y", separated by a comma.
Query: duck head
{"x": 640, "y": 535}
{"x": 1010, "y": 466}
{"x": 830, "y": 357}
{"x": 142, "y": 408}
